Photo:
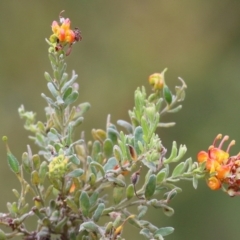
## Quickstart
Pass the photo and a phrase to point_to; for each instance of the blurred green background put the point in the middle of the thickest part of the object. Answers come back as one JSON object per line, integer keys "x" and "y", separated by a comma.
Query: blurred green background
{"x": 123, "y": 43}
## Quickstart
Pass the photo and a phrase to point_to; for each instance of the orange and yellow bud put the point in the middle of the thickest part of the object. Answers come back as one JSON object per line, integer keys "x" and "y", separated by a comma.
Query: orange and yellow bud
{"x": 202, "y": 156}
{"x": 156, "y": 81}
{"x": 214, "y": 183}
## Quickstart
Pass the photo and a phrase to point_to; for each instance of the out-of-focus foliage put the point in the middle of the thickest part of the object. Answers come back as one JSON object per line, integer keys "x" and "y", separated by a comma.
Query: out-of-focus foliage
{"x": 123, "y": 43}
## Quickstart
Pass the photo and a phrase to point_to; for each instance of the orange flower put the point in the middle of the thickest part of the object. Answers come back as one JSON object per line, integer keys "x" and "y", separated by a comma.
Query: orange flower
{"x": 223, "y": 171}
{"x": 218, "y": 154}
{"x": 212, "y": 165}
{"x": 202, "y": 156}
{"x": 214, "y": 183}
{"x": 66, "y": 24}
{"x": 62, "y": 33}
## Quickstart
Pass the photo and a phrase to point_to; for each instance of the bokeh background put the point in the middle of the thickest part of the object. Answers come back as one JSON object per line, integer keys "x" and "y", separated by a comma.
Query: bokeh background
{"x": 123, "y": 43}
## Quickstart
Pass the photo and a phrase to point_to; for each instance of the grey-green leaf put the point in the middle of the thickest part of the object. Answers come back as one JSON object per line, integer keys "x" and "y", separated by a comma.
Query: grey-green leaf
{"x": 76, "y": 173}
{"x": 164, "y": 231}
{"x": 138, "y": 137}
{"x": 71, "y": 98}
{"x": 89, "y": 226}
{"x": 108, "y": 148}
{"x": 125, "y": 125}
{"x": 150, "y": 186}
{"x": 178, "y": 170}
{"x": 84, "y": 203}
{"x": 98, "y": 167}
{"x": 98, "y": 212}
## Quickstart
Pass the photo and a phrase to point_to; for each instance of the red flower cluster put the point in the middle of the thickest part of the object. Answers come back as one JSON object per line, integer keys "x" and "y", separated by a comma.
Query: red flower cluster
{"x": 222, "y": 169}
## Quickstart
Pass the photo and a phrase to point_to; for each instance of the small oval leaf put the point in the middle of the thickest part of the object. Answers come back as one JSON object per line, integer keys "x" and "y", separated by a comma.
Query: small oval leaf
{"x": 84, "y": 203}
{"x": 150, "y": 186}
{"x": 75, "y": 173}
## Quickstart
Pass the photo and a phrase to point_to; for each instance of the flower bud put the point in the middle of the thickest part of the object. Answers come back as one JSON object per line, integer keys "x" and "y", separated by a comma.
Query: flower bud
{"x": 156, "y": 80}
{"x": 214, "y": 183}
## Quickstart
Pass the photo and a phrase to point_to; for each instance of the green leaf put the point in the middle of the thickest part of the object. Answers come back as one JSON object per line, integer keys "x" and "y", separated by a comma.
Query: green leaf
{"x": 98, "y": 167}
{"x": 35, "y": 178}
{"x": 118, "y": 194}
{"x": 2, "y": 235}
{"x": 71, "y": 98}
{"x": 108, "y": 210}
{"x": 36, "y": 161}
{"x": 150, "y": 186}
{"x": 52, "y": 59}
{"x": 69, "y": 83}
{"x": 112, "y": 134}
{"x": 99, "y": 134}
{"x": 178, "y": 170}
{"x": 111, "y": 163}
{"x": 88, "y": 226}
{"x": 173, "y": 153}
{"x": 13, "y": 163}
{"x": 84, "y": 203}
{"x": 67, "y": 92}
{"x": 146, "y": 232}
{"x": 26, "y": 163}
{"x": 195, "y": 182}
{"x": 74, "y": 159}
{"x": 176, "y": 109}
{"x": 117, "y": 153}
{"x": 48, "y": 77}
{"x": 170, "y": 195}
{"x": 164, "y": 231}
{"x": 167, "y": 95}
{"x": 48, "y": 191}
{"x": 43, "y": 171}
{"x": 108, "y": 148}
{"x": 16, "y": 193}
{"x": 161, "y": 176}
{"x": 117, "y": 181}
{"x": 138, "y": 137}
{"x": 96, "y": 148}
{"x": 182, "y": 150}
{"x": 130, "y": 191}
{"x": 82, "y": 108}
{"x": 139, "y": 99}
{"x": 92, "y": 179}
{"x": 52, "y": 89}
{"x": 56, "y": 74}
{"x": 60, "y": 224}
{"x": 93, "y": 198}
{"x": 77, "y": 122}
{"x": 98, "y": 212}
{"x": 49, "y": 101}
{"x": 75, "y": 173}
{"x": 142, "y": 209}
{"x": 60, "y": 101}
{"x": 125, "y": 125}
